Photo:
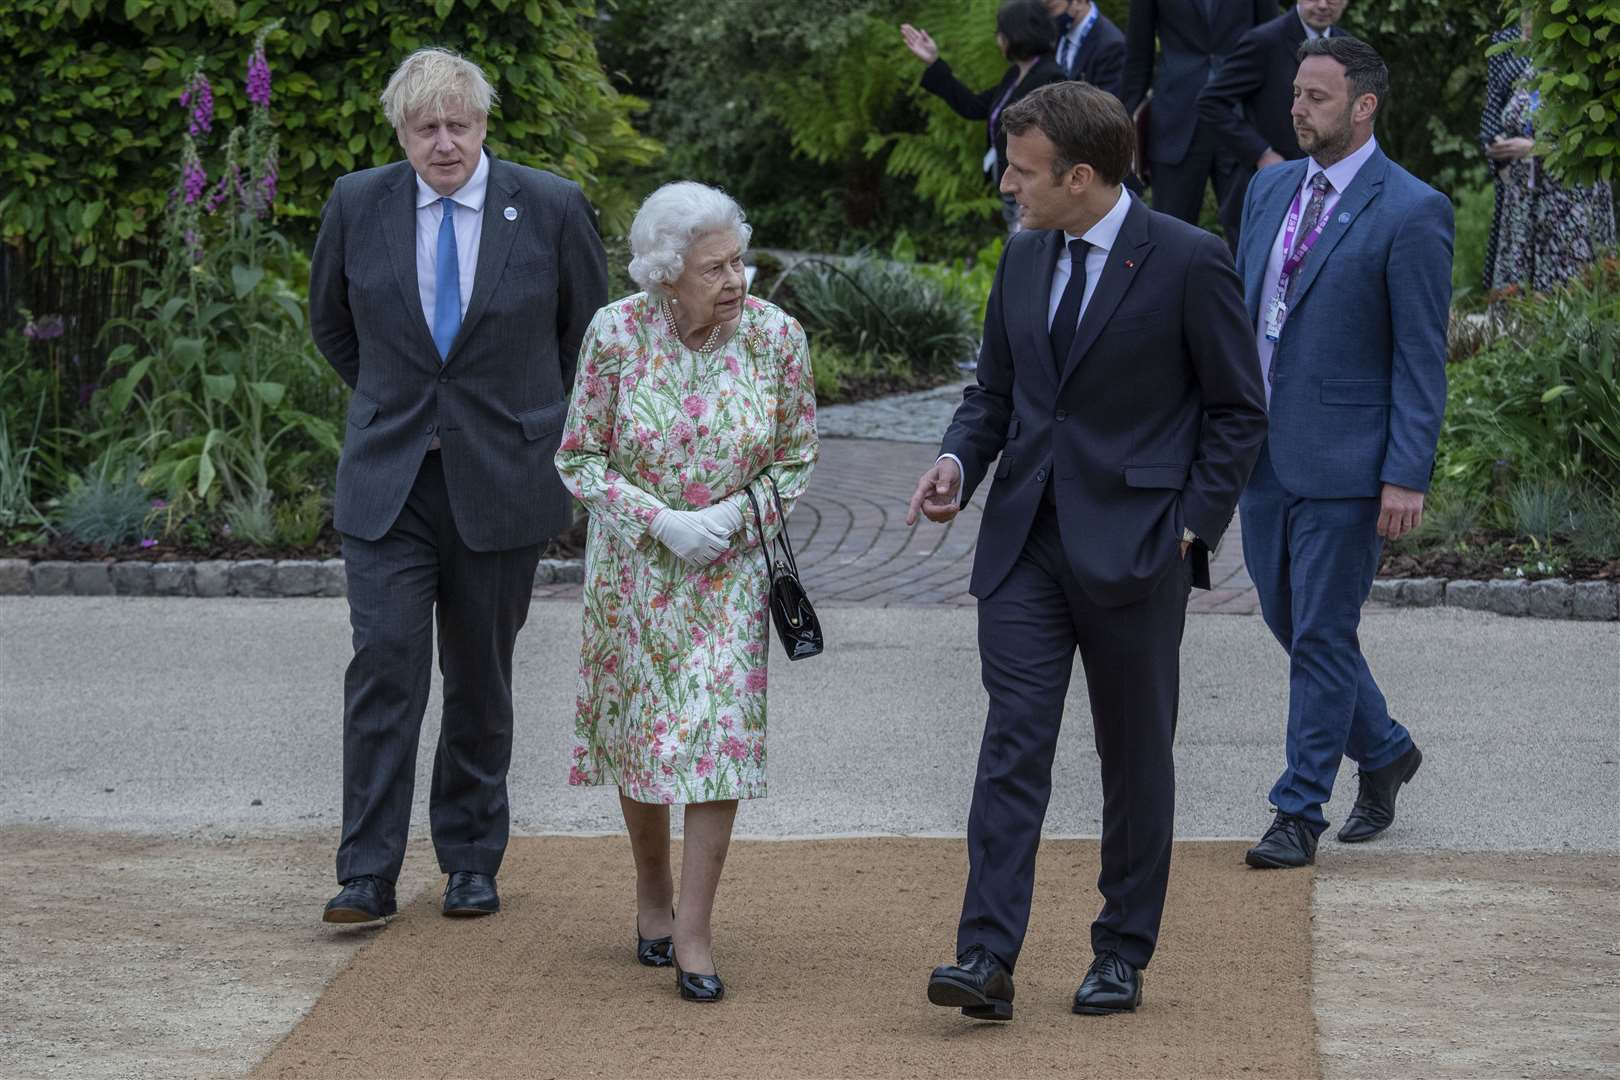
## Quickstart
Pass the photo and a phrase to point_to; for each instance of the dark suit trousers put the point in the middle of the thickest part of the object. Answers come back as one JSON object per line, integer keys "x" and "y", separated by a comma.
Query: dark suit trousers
{"x": 420, "y": 572}
{"x": 1312, "y": 562}
{"x": 1029, "y": 629}
{"x": 1178, "y": 188}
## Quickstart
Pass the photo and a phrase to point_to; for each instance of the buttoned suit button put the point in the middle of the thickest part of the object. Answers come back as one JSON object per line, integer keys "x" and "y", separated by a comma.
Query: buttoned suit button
{"x": 1040, "y": 477}
{"x": 430, "y": 428}
{"x": 1062, "y": 416}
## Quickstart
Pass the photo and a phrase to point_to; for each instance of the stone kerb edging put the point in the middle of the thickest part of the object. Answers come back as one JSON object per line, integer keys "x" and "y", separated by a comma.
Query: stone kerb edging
{"x": 266, "y": 578}
{"x": 1550, "y": 599}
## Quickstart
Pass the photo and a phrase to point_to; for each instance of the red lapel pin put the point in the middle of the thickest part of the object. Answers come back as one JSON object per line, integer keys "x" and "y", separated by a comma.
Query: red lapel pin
{"x": 1130, "y": 264}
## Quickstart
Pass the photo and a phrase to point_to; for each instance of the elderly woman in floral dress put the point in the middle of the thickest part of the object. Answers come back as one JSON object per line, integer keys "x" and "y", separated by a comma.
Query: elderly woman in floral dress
{"x": 688, "y": 395}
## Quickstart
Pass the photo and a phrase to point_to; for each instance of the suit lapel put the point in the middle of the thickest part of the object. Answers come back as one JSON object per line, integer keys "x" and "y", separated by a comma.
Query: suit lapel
{"x": 1262, "y": 233}
{"x": 1363, "y": 189}
{"x": 399, "y": 234}
{"x": 1037, "y": 299}
{"x": 1130, "y": 246}
{"x": 494, "y": 245}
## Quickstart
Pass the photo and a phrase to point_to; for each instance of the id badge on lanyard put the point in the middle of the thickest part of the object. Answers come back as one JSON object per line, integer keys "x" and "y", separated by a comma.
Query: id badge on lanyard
{"x": 1293, "y": 259}
{"x": 1276, "y": 312}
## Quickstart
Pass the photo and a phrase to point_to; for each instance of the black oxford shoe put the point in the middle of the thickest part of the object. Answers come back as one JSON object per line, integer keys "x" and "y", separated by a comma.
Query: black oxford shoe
{"x": 1111, "y": 985}
{"x": 1375, "y": 797}
{"x": 1289, "y": 842}
{"x": 467, "y": 894}
{"x": 978, "y": 984}
{"x": 362, "y": 899}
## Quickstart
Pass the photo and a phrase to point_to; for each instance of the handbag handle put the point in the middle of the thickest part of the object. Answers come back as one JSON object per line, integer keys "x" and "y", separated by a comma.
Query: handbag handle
{"x": 782, "y": 541}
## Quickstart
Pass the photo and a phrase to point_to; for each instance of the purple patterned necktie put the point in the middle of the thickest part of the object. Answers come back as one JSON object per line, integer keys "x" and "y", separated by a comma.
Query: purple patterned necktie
{"x": 1313, "y": 214}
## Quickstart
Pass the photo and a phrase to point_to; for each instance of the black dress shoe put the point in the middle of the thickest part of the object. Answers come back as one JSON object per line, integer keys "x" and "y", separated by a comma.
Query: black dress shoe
{"x": 467, "y": 893}
{"x": 978, "y": 984}
{"x": 1375, "y": 797}
{"x": 702, "y": 988}
{"x": 1111, "y": 985}
{"x": 362, "y": 899}
{"x": 654, "y": 952}
{"x": 1289, "y": 842}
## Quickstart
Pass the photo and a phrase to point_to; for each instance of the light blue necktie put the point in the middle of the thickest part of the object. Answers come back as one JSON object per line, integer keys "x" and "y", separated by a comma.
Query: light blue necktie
{"x": 447, "y": 284}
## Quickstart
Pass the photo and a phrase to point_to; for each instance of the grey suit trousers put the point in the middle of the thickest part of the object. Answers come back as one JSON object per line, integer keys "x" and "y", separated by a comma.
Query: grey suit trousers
{"x": 419, "y": 574}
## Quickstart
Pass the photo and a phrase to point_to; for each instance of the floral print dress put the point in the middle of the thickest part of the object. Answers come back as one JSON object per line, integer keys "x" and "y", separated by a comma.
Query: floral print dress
{"x": 672, "y": 674}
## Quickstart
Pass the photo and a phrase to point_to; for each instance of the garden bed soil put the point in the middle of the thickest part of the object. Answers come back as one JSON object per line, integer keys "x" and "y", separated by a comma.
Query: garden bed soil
{"x": 1491, "y": 564}
{"x": 569, "y": 545}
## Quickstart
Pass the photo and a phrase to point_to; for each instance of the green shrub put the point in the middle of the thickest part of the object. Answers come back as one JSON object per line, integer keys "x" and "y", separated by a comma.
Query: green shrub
{"x": 1575, "y": 46}
{"x": 250, "y": 519}
{"x": 1475, "y": 206}
{"x": 89, "y": 87}
{"x": 107, "y": 506}
{"x": 1597, "y": 526}
{"x": 1542, "y": 396}
{"x": 867, "y": 306}
{"x": 298, "y": 521}
{"x": 1450, "y": 518}
{"x": 1541, "y": 511}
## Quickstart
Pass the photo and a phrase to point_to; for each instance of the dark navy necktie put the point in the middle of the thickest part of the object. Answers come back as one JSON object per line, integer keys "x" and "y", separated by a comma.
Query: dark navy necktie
{"x": 1067, "y": 320}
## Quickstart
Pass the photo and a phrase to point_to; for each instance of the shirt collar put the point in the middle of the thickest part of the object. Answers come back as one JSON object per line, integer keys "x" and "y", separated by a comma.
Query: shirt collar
{"x": 1103, "y": 234}
{"x": 1080, "y": 27}
{"x": 469, "y": 195}
{"x": 1341, "y": 172}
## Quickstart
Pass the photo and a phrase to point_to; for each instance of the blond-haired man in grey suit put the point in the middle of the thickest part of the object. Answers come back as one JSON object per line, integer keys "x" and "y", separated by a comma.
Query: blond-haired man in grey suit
{"x": 450, "y": 291}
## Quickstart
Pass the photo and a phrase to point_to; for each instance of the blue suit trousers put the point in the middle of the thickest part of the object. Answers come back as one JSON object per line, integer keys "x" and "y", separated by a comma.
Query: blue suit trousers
{"x": 1312, "y": 562}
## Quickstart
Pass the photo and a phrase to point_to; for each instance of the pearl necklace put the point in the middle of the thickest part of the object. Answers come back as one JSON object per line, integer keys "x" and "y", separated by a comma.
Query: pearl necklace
{"x": 708, "y": 346}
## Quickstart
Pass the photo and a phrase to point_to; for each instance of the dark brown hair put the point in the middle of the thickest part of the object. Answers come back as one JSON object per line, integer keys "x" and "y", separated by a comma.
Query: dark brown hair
{"x": 1088, "y": 126}
{"x": 1364, "y": 70}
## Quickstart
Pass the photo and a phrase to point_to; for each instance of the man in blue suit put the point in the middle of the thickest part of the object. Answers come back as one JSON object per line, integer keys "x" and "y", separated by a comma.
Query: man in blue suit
{"x": 1346, "y": 267}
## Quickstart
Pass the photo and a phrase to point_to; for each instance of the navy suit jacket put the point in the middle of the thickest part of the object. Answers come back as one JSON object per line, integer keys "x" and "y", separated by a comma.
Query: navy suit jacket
{"x": 1249, "y": 103}
{"x": 1101, "y": 59}
{"x": 1151, "y": 423}
{"x": 1192, "y": 37}
{"x": 1359, "y": 384}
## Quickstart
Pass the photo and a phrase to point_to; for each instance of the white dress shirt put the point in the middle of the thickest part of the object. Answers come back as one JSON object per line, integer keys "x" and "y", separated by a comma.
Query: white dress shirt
{"x": 469, "y": 207}
{"x": 1102, "y": 237}
{"x": 1339, "y": 175}
{"x": 1068, "y": 45}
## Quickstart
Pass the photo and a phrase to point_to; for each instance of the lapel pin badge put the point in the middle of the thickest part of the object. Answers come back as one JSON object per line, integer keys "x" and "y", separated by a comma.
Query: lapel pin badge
{"x": 1130, "y": 264}
{"x": 510, "y": 213}
{"x": 1344, "y": 219}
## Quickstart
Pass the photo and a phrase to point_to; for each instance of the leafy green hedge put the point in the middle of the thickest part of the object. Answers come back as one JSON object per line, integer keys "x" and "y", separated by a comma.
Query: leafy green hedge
{"x": 89, "y": 89}
{"x": 1576, "y": 48}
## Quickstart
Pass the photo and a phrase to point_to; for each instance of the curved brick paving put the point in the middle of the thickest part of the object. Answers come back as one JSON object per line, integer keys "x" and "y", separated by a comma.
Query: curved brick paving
{"x": 849, "y": 533}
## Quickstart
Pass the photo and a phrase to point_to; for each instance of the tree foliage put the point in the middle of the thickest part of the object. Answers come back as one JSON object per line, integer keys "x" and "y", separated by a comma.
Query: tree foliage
{"x": 1575, "y": 46}
{"x": 91, "y": 86}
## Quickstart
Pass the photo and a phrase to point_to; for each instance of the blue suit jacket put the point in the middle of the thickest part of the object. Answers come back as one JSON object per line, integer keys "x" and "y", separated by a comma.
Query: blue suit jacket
{"x": 1360, "y": 370}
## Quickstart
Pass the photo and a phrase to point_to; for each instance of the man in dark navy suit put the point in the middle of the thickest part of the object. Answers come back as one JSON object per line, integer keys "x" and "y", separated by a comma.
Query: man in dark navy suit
{"x": 1192, "y": 38}
{"x": 1246, "y": 106}
{"x": 1090, "y": 47}
{"x": 1118, "y": 386}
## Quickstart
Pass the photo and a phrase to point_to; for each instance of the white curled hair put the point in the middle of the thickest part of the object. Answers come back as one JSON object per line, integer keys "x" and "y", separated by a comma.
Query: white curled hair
{"x": 430, "y": 81}
{"x": 667, "y": 223}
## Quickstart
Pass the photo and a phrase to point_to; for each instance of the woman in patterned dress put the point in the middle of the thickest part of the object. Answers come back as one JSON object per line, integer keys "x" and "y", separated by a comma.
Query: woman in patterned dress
{"x": 687, "y": 395}
{"x": 1543, "y": 231}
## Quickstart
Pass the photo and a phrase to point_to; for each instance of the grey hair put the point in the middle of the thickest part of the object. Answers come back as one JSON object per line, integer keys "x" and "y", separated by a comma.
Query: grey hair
{"x": 431, "y": 80}
{"x": 667, "y": 223}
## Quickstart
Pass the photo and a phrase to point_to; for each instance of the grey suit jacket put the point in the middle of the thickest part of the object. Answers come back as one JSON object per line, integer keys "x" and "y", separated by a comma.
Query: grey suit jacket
{"x": 498, "y": 401}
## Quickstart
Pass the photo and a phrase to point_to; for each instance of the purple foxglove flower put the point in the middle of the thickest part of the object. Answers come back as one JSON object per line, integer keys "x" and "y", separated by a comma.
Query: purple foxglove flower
{"x": 194, "y": 180}
{"x": 45, "y": 328}
{"x": 258, "y": 79}
{"x": 199, "y": 97}
{"x": 147, "y": 542}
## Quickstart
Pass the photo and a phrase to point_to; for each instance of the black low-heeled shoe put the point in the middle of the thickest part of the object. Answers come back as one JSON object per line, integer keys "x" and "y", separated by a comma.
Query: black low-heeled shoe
{"x": 698, "y": 987}
{"x": 654, "y": 952}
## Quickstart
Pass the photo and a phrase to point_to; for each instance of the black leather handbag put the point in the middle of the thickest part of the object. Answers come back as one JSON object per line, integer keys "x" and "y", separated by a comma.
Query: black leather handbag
{"x": 795, "y": 618}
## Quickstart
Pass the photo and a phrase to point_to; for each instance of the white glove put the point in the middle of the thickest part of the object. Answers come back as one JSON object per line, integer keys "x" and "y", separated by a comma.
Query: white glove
{"x": 689, "y": 536}
{"x": 723, "y": 518}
